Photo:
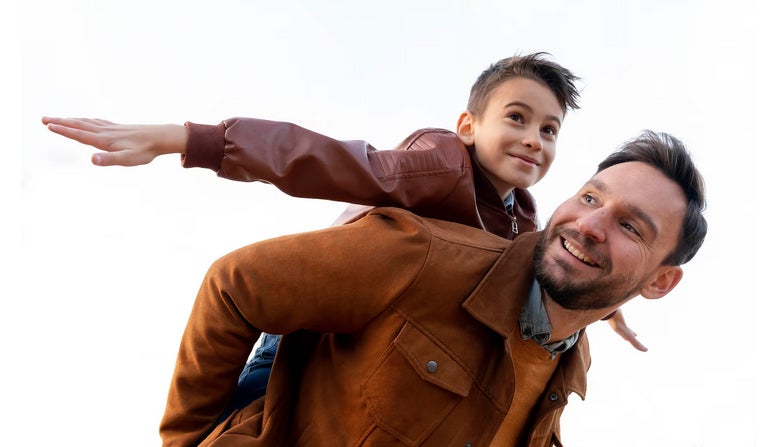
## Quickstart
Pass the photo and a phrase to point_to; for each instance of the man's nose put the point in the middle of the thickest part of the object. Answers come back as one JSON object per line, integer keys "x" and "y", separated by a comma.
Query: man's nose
{"x": 592, "y": 224}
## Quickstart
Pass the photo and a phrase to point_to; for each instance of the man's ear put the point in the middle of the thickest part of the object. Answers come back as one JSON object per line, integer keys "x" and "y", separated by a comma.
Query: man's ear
{"x": 662, "y": 282}
{"x": 465, "y": 128}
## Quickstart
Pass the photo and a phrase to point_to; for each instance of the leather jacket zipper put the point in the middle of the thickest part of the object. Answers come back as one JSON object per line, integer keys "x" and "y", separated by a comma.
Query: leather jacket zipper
{"x": 514, "y": 222}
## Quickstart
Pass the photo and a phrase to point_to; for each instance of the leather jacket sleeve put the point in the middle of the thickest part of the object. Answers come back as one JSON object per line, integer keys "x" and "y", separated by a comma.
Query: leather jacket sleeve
{"x": 430, "y": 173}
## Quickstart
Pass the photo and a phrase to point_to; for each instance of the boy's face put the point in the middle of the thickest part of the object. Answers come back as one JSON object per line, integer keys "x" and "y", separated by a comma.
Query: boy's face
{"x": 514, "y": 137}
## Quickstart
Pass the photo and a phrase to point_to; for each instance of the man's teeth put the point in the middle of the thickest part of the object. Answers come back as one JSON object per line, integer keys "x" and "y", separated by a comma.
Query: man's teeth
{"x": 571, "y": 249}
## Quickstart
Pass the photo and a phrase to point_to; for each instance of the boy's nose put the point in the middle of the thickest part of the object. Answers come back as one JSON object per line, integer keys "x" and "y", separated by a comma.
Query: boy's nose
{"x": 533, "y": 141}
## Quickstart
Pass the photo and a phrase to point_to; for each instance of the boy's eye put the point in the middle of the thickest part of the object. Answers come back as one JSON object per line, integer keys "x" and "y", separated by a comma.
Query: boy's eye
{"x": 550, "y": 130}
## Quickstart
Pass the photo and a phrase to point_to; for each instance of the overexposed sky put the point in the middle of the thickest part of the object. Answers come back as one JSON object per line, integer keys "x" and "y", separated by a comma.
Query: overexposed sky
{"x": 104, "y": 263}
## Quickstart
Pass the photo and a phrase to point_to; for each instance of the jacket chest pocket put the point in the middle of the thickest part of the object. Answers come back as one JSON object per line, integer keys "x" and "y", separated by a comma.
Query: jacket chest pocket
{"x": 414, "y": 387}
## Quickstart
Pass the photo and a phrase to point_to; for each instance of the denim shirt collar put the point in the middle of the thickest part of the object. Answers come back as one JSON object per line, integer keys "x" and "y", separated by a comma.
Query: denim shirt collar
{"x": 509, "y": 201}
{"x": 535, "y": 324}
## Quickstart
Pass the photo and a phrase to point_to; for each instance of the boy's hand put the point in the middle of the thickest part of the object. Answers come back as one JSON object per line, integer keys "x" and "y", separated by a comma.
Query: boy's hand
{"x": 124, "y": 144}
{"x": 618, "y": 324}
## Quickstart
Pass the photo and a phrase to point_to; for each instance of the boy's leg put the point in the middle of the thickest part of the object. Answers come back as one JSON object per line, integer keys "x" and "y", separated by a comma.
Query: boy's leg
{"x": 252, "y": 382}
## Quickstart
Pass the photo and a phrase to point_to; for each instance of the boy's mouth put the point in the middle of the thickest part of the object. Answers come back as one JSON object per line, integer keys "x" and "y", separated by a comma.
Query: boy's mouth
{"x": 528, "y": 160}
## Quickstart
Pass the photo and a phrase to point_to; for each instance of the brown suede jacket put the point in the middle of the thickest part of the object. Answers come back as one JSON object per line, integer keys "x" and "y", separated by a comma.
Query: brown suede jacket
{"x": 410, "y": 346}
{"x": 431, "y": 173}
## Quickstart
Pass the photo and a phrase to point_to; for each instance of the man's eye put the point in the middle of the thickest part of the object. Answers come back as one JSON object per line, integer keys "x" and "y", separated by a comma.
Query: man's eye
{"x": 630, "y": 228}
{"x": 588, "y": 198}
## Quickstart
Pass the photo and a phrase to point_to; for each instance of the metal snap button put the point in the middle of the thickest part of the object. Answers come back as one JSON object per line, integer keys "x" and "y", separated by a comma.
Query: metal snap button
{"x": 431, "y": 366}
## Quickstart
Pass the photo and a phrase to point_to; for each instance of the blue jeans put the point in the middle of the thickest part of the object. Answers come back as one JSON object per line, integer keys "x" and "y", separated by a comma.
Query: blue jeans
{"x": 252, "y": 381}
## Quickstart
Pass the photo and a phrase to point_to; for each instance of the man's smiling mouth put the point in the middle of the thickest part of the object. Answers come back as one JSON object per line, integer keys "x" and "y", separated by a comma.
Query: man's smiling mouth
{"x": 578, "y": 254}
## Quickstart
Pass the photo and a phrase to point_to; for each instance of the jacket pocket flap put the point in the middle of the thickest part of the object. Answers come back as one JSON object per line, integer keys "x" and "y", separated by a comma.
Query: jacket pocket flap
{"x": 431, "y": 362}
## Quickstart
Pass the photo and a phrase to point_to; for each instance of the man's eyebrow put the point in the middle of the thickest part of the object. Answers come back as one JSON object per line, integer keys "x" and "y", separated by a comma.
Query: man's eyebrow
{"x": 528, "y": 107}
{"x": 638, "y": 212}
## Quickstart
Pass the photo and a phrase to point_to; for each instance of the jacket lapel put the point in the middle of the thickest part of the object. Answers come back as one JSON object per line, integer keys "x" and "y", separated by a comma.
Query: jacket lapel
{"x": 498, "y": 299}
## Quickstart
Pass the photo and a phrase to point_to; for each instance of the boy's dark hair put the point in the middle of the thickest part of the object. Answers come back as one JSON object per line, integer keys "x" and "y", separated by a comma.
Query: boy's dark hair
{"x": 533, "y": 66}
{"x": 667, "y": 154}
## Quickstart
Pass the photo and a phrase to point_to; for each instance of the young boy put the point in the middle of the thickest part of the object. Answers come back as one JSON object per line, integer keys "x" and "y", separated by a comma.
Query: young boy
{"x": 504, "y": 143}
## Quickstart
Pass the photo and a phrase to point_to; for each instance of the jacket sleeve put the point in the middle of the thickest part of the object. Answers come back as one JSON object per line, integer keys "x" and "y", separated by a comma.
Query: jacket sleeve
{"x": 432, "y": 165}
{"x": 335, "y": 280}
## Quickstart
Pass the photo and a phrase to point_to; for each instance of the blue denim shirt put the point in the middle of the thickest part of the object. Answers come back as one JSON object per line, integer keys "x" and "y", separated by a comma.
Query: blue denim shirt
{"x": 509, "y": 200}
{"x": 535, "y": 324}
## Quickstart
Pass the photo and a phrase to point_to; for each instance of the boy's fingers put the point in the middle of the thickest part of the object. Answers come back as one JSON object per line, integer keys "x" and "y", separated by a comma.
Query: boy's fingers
{"x": 631, "y": 337}
{"x": 97, "y": 121}
{"x": 87, "y": 134}
{"x": 102, "y": 159}
{"x": 75, "y": 134}
{"x": 120, "y": 150}
{"x": 120, "y": 158}
{"x": 76, "y": 122}
{"x": 637, "y": 345}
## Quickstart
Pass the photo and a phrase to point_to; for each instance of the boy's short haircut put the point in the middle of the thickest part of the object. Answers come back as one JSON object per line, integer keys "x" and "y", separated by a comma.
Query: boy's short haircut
{"x": 535, "y": 66}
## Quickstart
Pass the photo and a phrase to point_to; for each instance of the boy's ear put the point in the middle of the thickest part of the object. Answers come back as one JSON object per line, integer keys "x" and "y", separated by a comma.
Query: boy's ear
{"x": 662, "y": 282}
{"x": 465, "y": 128}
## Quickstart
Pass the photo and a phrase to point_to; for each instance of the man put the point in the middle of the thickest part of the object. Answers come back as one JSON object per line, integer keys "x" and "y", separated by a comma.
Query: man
{"x": 402, "y": 330}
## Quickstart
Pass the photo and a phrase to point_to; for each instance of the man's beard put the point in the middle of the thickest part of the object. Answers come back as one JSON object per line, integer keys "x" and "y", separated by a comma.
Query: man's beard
{"x": 591, "y": 294}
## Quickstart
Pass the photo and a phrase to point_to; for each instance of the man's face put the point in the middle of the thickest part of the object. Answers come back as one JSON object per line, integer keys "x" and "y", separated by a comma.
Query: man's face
{"x": 606, "y": 244}
{"x": 515, "y": 135}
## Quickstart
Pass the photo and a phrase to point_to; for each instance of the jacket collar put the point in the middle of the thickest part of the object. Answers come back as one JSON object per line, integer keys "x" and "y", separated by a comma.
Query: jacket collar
{"x": 491, "y": 208}
{"x": 498, "y": 299}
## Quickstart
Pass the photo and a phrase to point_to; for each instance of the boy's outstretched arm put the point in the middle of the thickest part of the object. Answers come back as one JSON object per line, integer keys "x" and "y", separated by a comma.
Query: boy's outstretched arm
{"x": 124, "y": 144}
{"x": 618, "y": 324}
{"x": 433, "y": 180}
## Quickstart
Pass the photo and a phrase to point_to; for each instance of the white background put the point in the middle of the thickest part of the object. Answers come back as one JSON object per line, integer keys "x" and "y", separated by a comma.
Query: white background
{"x": 101, "y": 265}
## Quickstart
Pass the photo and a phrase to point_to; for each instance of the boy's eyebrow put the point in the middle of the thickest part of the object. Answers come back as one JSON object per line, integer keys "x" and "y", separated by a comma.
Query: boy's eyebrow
{"x": 528, "y": 107}
{"x": 638, "y": 212}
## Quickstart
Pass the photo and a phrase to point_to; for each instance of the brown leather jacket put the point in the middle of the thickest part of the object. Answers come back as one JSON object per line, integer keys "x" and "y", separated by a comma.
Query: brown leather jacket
{"x": 431, "y": 173}
{"x": 408, "y": 347}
